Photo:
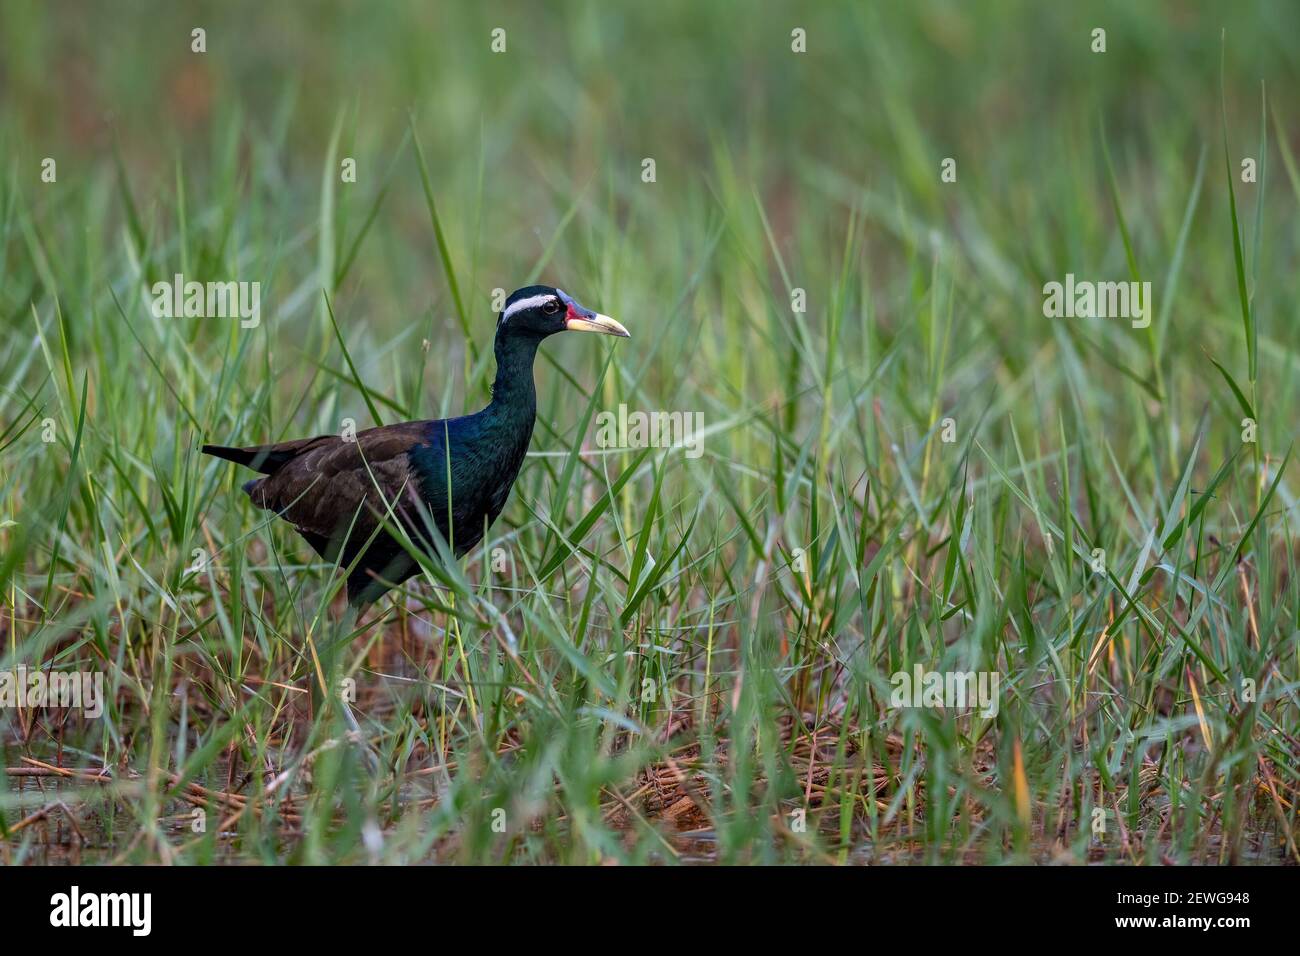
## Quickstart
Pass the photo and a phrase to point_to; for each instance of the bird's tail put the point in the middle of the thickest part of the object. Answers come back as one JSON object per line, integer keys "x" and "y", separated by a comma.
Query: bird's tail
{"x": 268, "y": 459}
{"x": 240, "y": 456}
{"x": 264, "y": 458}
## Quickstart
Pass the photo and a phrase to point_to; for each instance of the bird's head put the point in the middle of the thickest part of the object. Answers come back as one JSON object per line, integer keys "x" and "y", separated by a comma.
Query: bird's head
{"x": 539, "y": 311}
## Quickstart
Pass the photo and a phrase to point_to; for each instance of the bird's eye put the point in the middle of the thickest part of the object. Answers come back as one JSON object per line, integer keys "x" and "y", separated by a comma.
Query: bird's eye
{"x": 551, "y": 307}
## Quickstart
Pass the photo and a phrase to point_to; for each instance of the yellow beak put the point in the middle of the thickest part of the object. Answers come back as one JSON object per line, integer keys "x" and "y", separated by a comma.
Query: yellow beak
{"x": 595, "y": 322}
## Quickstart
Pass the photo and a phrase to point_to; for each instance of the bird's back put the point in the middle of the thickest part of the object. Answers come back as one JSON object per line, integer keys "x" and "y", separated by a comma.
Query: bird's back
{"x": 453, "y": 474}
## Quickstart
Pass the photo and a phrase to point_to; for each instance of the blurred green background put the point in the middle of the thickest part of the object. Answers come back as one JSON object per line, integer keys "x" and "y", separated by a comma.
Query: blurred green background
{"x": 535, "y": 154}
{"x": 586, "y": 90}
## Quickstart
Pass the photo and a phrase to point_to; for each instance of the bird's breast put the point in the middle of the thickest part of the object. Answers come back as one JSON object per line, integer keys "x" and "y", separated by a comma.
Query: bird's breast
{"x": 467, "y": 478}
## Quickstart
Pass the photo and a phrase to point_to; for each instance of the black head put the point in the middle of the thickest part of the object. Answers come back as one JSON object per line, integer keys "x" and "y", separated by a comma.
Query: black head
{"x": 539, "y": 311}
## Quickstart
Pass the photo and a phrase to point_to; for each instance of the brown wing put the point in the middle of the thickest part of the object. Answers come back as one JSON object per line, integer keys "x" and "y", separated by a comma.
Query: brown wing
{"x": 324, "y": 483}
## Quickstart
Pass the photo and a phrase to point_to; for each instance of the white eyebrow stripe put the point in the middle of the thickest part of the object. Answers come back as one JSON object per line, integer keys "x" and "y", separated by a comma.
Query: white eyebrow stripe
{"x": 528, "y": 303}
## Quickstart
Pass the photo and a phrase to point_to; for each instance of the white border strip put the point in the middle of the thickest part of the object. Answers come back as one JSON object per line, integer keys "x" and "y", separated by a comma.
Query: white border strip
{"x": 528, "y": 303}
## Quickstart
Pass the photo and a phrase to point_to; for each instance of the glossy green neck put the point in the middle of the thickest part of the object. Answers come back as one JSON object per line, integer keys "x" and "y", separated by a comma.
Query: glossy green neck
{"x": 513, "y": 392}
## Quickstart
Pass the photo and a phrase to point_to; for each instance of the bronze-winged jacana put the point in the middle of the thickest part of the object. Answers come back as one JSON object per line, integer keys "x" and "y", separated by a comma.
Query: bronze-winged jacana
{"x": 339, "y": 493}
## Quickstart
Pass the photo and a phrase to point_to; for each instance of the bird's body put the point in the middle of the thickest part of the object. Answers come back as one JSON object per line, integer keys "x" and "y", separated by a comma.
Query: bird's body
{"x": 453, "y": 474}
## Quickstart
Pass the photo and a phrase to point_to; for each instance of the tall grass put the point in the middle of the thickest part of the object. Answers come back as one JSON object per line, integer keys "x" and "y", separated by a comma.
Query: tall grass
{"x": 669, "y": 659}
